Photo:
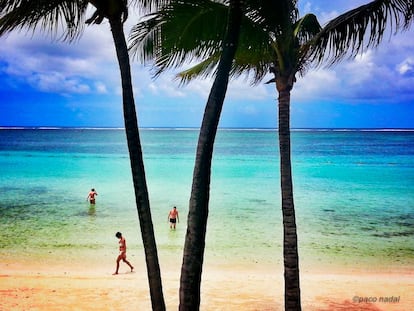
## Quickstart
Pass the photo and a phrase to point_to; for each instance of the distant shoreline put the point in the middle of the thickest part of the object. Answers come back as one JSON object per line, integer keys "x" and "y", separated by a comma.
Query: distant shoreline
{"x": 220, "y": 129}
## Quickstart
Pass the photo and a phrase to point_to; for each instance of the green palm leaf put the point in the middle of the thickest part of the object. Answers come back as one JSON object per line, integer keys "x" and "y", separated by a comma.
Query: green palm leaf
{"x": 180, "y": 32}
{"x": 49, "y": 16}
{"x": 363, "y": 27}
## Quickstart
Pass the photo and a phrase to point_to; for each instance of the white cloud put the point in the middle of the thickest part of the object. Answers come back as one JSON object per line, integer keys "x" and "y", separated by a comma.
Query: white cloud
{"x": 307, "y": 8}
{"x": 171, "y": 90}
{"x": 57, "y": 83}
{"x": 240, "y": 89}
{"x": 89, "y": 65}
{"x": 101, "y": 88}
{"x": 360, "y": 69}
{"x": 165, "y": 85}
{"x": 406, "y": 67}
{"x": 381, "y": 74}
{"x": 321, "y": 83}
{"x": 199, "y": 87}
{"x": 153, "y": 88}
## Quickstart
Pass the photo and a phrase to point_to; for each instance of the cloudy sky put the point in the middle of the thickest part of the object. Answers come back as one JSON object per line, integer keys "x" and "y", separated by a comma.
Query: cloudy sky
{"x": 44, "y": 82}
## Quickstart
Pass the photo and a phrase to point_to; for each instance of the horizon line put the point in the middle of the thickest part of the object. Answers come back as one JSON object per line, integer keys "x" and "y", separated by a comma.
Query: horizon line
{"x": 197, "y": 128}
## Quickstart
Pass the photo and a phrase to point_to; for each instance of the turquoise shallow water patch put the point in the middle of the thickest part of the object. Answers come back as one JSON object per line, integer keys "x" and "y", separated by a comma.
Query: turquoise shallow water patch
{"x": 353, "y": 193}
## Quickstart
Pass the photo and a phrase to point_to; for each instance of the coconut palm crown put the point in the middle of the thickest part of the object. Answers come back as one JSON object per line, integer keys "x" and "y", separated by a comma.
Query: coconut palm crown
{"x": 273, "y": 35}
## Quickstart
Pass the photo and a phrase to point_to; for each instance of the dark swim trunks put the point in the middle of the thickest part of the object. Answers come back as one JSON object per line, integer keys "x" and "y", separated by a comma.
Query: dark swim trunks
{"x": 173, "y": 220}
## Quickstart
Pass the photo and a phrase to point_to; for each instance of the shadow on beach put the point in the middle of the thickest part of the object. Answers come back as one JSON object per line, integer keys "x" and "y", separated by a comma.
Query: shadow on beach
{"x": 348, "y": 305}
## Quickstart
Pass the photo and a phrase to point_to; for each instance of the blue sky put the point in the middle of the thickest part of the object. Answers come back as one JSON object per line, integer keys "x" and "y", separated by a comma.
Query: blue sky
{"x": 44, "y": 82}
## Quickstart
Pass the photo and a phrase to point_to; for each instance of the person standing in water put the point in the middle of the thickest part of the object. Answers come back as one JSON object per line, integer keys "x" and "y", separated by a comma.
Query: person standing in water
{"x": 91, "y": 196}
{"x": 173, "y": 217}
{"x": 122, "y": 253}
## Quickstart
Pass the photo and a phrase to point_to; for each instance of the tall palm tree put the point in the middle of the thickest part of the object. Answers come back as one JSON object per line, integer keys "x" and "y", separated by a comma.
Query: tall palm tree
{"x": 191, "y": 270}
{"x": 194, "y": 247}
{"x": 48, "y": 15}
{"x": 274, "y": 38}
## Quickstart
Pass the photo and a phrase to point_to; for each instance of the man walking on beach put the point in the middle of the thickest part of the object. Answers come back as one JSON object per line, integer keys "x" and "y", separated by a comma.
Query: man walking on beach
{"x": 173, "y": 217}
{"x": 122, "y": 253}
{"x": 91, "y": 196}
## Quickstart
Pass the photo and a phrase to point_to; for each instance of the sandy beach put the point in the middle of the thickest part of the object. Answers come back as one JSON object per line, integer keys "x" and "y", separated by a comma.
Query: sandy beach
{"x": 71, "y": 287}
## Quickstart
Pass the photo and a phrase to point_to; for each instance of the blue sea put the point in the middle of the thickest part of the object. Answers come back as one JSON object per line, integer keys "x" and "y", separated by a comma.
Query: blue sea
{"x": 353, "y": 190}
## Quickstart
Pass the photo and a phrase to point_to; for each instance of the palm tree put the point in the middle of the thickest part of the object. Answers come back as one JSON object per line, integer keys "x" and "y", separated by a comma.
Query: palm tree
{"x": 194, "y": 247}
{"x": 273, "y": 38}
{"x": 48, "y": 15}
{"x": 191, "y": 270}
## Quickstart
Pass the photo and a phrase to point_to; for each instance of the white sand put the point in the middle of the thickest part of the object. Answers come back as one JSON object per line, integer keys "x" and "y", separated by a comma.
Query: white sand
{"x": 71, "y": 286}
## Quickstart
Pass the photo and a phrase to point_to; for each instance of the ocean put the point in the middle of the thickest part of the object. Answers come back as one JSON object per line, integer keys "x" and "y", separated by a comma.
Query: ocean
{"x": 353, "y": 190}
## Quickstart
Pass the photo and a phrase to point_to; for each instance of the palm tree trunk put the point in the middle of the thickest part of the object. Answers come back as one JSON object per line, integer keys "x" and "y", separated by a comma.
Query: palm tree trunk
{"x": 193, "y": 257}
{"x": 137, "y": 167}
{"x": 290, "y": 240}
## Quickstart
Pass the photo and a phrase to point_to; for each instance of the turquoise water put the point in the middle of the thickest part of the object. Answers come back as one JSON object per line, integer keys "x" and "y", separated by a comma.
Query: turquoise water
{"x": 354, "y": 194}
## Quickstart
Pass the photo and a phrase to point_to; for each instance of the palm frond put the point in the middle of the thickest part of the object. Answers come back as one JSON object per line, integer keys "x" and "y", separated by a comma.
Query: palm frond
{"x": 360, "y": 28}
{"x": 47, "y": 16}
{"x": 273, "y": 16}
{"x": 253, "y": 66}
{"x": 148, "y": 6}
{"x": 246, "y": 62}
{"x": 255, "y": 52}
{"x": 202, "y": 69}
{"x": 176, "y": 34}
{"x": 254, "y": 60}
{"x": 306, "y": 28}
{"x": 180, "y": 32}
